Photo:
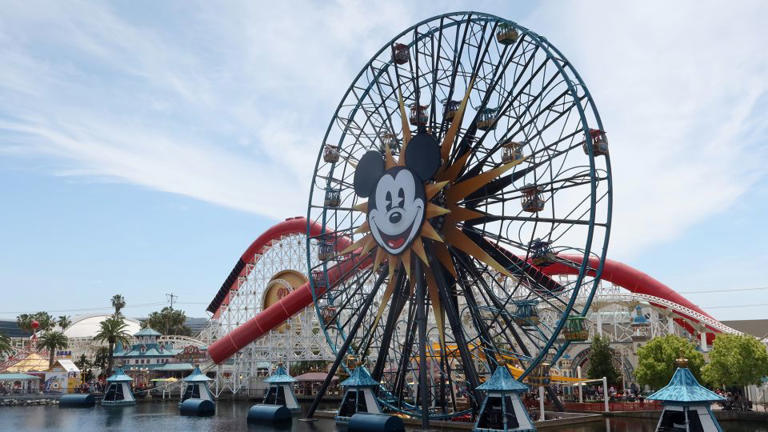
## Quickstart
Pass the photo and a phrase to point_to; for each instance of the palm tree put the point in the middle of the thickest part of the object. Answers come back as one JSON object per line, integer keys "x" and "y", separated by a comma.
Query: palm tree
{"x": 112, "y": 331}
{"x": 64, "y": 321}
{"x": 118, "y": 302}
{"x": 52, "y": 341}
{"x": 5, "y": 345}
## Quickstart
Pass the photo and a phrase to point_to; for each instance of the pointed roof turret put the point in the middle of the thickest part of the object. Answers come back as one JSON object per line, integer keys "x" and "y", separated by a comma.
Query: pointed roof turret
{"x": 196, "y": 376}
{"x": 683, "y": 388}
{"x": 280, "y": 376}
{"x": 502, "y": 381}
{"x": 360, "y": 377}
{"x": 119, "y": 376}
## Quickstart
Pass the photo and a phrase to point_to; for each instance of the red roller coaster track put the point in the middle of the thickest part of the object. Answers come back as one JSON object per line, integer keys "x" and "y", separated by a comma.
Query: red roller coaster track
{"x": 615, "y": 272}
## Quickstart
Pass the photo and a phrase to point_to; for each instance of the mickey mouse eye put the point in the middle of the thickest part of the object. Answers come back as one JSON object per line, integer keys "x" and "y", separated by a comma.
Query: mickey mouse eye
{"x": 401, "y": 197}
{"x": 388, "y": 198}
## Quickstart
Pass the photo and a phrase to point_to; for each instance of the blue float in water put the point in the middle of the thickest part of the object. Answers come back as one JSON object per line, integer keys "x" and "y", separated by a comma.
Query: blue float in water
{"x": 197, "y": 407}
{"x": 268, "y": 414}
{"x": 366, "y": 422}
{"x": 77, "y": 401}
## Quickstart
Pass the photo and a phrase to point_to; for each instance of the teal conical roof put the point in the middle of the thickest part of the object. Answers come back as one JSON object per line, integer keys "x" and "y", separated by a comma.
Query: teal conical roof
{"x": 196, "y": 376}
{"x": 359, "y": 378}
{"x": 683, "y": 388}
{"x": 119, "y": 376}
{"x": 502, "y": 381}
{"x": 280, "y": 376}
{"x": 147, "y": 332}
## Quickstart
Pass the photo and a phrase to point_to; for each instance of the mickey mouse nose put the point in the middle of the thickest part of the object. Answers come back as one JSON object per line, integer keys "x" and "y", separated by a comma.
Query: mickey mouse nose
{"x": 395, "y": 217}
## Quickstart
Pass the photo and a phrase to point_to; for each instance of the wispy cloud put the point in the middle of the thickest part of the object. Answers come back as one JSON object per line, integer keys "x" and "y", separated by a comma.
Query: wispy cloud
{"x": 228, "y": 103}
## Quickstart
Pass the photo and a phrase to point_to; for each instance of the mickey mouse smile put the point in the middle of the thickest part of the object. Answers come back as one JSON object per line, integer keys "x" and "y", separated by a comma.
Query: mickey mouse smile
{"x": 397, "y": 209}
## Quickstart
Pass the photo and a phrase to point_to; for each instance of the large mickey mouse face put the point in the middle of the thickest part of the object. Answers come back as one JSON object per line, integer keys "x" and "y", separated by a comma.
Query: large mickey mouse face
{"x": 397, "y": 202}
{"x": 396, "y": 211}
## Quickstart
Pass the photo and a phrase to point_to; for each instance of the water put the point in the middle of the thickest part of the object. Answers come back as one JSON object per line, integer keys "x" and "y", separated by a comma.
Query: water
{"x": 230, "y": 416}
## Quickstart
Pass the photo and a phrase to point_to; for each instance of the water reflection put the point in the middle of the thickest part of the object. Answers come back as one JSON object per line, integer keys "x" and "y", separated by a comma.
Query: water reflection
{"x": 230, "y": 416}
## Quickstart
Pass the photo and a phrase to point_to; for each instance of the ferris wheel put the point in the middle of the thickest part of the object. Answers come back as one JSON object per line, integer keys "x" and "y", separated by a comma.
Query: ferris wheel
{"x": 466, "y": 155}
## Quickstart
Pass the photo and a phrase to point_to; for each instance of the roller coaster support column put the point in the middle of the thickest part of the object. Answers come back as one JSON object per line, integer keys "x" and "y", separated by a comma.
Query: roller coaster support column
{"x": 605, "y": 393}
{"x": 541, "y": 403}
{"x": 703, "y": 333}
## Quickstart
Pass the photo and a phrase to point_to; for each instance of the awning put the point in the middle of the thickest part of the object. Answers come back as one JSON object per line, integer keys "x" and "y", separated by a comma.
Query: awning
{"x": 175, "y": 367}
{"x": 32, "y": 362}
{"x": 17, "y": 377}
{"x": 68, "y": 365}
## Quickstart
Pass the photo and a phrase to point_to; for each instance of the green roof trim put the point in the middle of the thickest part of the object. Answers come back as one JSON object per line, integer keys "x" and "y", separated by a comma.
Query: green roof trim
{"x": 175, "y": 367}
{"x": 17, "y": 377}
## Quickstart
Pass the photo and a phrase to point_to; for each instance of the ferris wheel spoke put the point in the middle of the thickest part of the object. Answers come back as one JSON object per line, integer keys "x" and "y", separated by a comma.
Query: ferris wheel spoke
{"x": 474, "y": 271}
{"x": 499, "y": 184}
{"x": 345, "y": 346}
{"x": 488, "y": 346}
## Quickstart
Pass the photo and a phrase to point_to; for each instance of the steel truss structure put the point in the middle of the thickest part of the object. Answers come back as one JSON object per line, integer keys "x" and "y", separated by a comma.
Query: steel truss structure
{"x": 298, "y": 339}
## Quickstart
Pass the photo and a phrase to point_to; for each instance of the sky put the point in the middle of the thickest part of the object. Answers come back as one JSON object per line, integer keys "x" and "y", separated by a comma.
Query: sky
{"x": 144, "y": 145}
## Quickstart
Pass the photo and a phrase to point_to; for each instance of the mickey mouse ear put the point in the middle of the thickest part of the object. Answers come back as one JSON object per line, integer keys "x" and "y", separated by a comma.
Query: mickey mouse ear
{"x": 423, "y": 155}
{"x": 369, "y": 170}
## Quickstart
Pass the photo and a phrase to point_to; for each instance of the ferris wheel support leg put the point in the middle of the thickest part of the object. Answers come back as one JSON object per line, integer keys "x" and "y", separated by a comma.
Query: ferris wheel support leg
{"x": 452, "y": 313}
{"x": 421, "y": 317}
{"x": 345, "y": 346}
{"x": 398, "y": 303}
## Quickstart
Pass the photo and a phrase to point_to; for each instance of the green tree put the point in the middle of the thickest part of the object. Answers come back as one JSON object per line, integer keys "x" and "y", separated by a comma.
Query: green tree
{"x": 168, "y": 321}
{"x": 52, "y": 341}
{"x": 5, "y": 345}
{"x": 112, "y": 330}
{"x": 86, "y": 368}
{"x": 44, "y": 319}
{"x": 601, "y": 361}
{"x": 118, "y": 302}
{"x": 736, "y": 361}
{"x": 101, "y": 359}
{"x": 656, "y": 360}
{"x": 64, "y": 321}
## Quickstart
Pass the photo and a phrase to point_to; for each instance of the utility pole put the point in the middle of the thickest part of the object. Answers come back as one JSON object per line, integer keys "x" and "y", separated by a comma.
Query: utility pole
{"x": 171, "y": 297}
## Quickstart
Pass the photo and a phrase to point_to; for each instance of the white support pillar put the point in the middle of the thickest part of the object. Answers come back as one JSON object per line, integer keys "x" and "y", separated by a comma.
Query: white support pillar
{"x": 605, "y": 393}
{"x": 541, "y": 403}
{"x": 671, "y": 324}
{"x": 581, "y": 385}
{"x": 704, "y": 340}
{"x": 599, "y": 323}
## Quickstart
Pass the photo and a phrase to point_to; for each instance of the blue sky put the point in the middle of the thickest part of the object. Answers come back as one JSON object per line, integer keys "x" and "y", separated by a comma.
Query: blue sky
{"x": 143, "y": 146}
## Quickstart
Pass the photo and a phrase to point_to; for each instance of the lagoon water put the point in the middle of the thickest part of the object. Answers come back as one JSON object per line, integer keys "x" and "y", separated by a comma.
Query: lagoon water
{"x": 230, "y": 416}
